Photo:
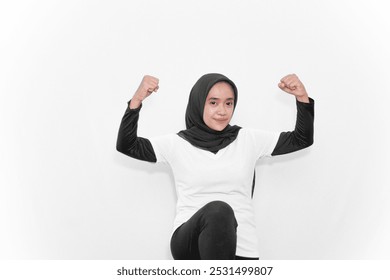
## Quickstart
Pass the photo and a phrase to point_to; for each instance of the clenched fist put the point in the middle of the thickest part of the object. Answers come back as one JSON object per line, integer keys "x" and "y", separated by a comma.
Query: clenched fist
{"x": 292, "y": 85}
{"x": 149, "y": 84}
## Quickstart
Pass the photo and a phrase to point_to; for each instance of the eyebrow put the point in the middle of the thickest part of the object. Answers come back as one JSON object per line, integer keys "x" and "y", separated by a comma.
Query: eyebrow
{"x": 216, "y": 98}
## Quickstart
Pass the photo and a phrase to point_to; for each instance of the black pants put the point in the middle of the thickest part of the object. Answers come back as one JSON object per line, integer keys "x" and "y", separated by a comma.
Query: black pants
{"x": 210, "y": 234}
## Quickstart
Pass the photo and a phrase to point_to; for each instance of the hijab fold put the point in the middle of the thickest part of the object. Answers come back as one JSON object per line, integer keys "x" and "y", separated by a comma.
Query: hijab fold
{"x": 197, "y": 132}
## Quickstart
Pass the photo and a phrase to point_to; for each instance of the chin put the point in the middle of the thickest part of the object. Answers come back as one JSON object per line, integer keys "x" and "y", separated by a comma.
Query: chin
{"x": 219, "y": 128}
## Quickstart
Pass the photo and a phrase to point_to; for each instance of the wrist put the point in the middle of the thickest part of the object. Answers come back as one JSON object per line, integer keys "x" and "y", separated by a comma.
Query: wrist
{"x": 303, "y": 98}
{"x": 135, "y": 103}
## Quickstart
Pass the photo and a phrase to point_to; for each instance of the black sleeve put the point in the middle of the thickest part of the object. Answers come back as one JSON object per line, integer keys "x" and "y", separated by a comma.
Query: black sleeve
{"x": 302, "y": 136}
{"x": 129, "y": 143}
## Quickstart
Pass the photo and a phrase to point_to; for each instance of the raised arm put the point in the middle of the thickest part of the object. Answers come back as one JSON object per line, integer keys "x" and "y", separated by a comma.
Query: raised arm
{"x": 128, "y": 142}
{"x": 302, "y": 136}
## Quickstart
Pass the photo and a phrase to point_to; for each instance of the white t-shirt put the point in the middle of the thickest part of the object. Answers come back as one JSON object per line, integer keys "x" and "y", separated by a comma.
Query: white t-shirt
{"x": 201, "y": 177}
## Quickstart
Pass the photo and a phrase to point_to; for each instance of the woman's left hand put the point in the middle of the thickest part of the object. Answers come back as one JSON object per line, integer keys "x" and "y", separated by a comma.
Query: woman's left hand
{"x": 292, "y": 85}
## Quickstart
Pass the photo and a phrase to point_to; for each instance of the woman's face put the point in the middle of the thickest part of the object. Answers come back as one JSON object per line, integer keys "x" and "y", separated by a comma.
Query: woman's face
{"x": 219, "y": 106}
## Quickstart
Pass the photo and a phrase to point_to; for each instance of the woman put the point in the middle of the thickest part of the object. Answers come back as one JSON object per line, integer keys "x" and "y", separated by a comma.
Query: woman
{"x": 213, "y": 164}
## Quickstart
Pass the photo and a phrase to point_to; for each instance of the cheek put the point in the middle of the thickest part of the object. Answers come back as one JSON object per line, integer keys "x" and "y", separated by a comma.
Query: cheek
{"x": 230, "y": 112}
{"x": 207, "y": 113}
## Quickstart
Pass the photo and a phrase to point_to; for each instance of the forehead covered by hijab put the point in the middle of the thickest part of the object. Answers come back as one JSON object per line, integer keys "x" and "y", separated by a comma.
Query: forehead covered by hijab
{"x": 198, "y": 96}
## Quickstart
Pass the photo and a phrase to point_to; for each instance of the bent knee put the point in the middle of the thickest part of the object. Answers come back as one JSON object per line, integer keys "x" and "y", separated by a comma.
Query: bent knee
{"x": 218, "y": 206}
{"x": 219, "y": 210}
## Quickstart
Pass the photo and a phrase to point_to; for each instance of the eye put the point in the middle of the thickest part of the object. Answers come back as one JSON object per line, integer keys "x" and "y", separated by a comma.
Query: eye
{"x": 213, "y": 103}
{"x": 230, "y": 103}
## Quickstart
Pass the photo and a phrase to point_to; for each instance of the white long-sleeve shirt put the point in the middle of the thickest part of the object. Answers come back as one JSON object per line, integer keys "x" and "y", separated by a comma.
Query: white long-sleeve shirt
{"x": 201, "y": 176}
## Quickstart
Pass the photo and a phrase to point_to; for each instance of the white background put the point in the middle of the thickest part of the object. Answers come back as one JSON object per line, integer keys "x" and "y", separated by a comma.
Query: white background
{"x": 68, "y": 68}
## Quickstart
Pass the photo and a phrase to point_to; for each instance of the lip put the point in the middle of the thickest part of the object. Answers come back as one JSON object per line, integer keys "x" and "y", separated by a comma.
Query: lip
{"x": 220, "y": 120}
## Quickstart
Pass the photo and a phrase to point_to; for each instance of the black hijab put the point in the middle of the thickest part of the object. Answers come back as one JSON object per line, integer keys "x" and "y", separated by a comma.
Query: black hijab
{"x": 197, "y": 132}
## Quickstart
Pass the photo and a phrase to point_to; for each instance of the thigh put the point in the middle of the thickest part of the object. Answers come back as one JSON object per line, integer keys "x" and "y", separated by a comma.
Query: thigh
{"x": 184, "y": 241}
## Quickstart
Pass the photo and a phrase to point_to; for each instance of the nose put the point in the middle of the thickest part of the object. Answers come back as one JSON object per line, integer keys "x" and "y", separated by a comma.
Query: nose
{"x": 221, "y": 110}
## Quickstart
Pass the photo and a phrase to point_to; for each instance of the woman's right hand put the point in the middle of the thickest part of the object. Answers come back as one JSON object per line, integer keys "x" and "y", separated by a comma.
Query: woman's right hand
{"x": 149, "y": 84}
